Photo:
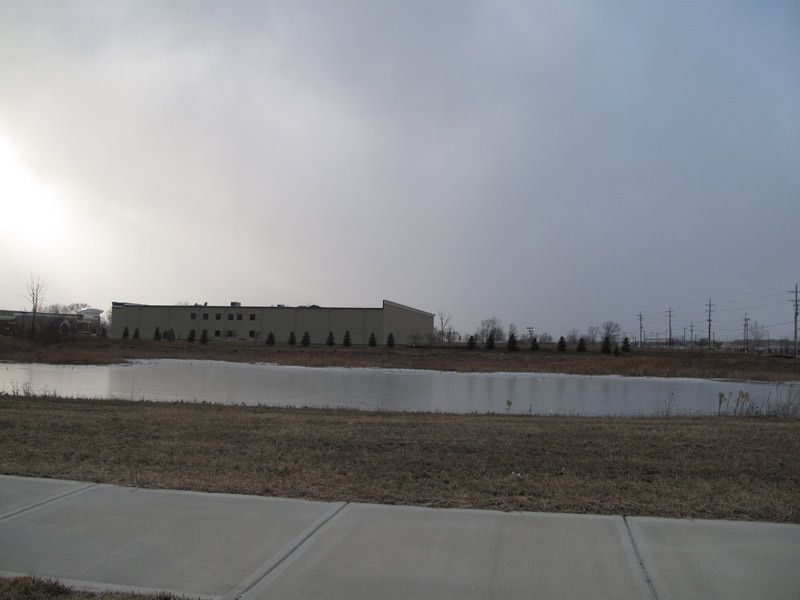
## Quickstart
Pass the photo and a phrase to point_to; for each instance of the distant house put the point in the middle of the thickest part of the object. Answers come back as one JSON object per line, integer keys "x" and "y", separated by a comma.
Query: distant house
{"x": 236, "y": 322}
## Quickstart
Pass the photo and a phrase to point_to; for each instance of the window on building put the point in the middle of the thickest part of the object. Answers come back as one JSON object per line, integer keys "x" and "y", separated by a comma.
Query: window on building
{"x": 218, "y": 316}
{"x": 252, "y": 333}
{"x": 230, "y": 317}
{"x": 239, "y": 317}
{"x": 230, "y": 333}
{"x": 216, "y": 333}
{"x": 193, "y": 316}
{"x": 205, "y": 316}
{"x": 252, "y": 316}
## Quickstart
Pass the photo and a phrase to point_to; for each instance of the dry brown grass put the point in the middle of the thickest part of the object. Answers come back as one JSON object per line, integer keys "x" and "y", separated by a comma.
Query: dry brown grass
{"x": 35, "y": 588}
{"x": 714, "y": 365}
{"x": 719, "y": 468}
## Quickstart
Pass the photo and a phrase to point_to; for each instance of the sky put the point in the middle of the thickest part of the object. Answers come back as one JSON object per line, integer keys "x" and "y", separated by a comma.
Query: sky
{"x": 552, "y": 163}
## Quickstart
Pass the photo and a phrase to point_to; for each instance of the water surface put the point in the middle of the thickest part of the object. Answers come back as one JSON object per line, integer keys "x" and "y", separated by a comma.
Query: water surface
{"x": 380, "y": 389}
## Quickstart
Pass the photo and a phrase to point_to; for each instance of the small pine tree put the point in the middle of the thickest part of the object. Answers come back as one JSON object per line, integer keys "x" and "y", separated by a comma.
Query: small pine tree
{"x": 292, "y": 339}
{"x": 136, "y": 333}
{"x": 471, "y": 343}
{"x": 157, "y": 334}
{"x": 372, "y": 341}
{"x": 626, "y": 345}
{"x": 125, "y": 333}
{"x": 606, "y": 347}
{"x": 512, "y": 344}
{"x": 562, "y": 344}
{"x": 534, "y": 344}
{"x": 347, "y": 341}
{"x": 190, "y": 338}
{"x": 616, "y": 349}
{"x": 331, "y": 341}
{"x": 390, "y": 340}
{"x": 490, "y": 342}
{"x": 581, "y": 345}
{"x": 270, "y": 339}
{"x": 306, "y": 341}
{"x": 204, "y": 337}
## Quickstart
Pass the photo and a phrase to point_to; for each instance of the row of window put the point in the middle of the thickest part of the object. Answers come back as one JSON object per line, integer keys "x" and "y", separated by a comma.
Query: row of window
{"x": 218, "y": 317}
{"x": 218, "y": 333}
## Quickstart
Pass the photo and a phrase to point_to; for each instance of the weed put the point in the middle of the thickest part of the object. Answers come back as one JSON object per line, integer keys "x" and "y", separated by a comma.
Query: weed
{"x": 785, "y": 405}
{"x": 36, "y": 588}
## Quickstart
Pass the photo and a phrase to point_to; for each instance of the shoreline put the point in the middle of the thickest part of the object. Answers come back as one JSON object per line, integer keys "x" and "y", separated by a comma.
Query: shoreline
{"x": 688, "y": 364}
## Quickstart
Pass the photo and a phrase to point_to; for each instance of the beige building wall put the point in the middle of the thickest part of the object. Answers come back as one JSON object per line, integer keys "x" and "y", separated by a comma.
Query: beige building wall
{"x": 408, "y": 325}
{"x": 229, "y": 323}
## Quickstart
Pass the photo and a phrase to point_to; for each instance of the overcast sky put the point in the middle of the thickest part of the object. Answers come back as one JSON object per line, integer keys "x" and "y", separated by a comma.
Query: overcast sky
{"x": 552, "y": 163}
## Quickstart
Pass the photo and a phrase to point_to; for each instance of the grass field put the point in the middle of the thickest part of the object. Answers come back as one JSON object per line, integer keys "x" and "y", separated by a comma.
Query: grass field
{"x": 651, "y": 363}
{"x": 712, "y": 467}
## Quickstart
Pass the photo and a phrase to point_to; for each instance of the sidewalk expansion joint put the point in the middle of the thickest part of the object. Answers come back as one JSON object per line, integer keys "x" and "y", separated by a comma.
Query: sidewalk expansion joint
{"x": 55, "y": 498}
{"x": 639, "y": 559}
{"x": 284, "y": 553}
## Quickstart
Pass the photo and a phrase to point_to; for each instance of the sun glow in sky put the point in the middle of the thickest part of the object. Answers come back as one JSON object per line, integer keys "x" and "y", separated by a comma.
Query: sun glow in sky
{"x": 33, "y": 213}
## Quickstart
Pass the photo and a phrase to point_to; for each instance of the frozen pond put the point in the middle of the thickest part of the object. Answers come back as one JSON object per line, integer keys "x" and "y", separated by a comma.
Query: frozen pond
{"x": 380, "y": 389}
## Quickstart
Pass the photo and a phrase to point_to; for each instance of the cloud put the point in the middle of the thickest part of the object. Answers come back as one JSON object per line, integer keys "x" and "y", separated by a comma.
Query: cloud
{"x": 547, "y": 162}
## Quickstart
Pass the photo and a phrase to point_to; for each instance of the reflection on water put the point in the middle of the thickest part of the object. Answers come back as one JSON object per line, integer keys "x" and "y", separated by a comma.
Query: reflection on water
{"x": 379, "y": 389}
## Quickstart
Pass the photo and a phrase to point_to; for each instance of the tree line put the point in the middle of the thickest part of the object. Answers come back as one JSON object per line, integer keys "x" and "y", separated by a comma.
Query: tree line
{"x": 490, "y": 333}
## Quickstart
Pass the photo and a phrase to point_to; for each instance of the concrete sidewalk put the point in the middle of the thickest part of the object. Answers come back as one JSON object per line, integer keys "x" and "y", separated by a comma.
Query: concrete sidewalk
{"x": 225, "y": 546}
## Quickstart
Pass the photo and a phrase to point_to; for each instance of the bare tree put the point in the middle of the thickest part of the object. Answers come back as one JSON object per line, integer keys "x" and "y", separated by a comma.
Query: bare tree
{"x": 491, "y": 326}
{"x": 572, "y": 336}
{"x": 65, "y": 309}
{"x": 545, "y": 338}
{"x": 444, "y": 321}
{"x": 34, "y": 293}
{"x": 757, "y": 333}
{"x": 592, "y": 333}
{"x": 611, "y": 329}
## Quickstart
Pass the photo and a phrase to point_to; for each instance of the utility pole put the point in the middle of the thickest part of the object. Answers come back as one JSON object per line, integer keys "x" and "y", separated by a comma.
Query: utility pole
{"x": 746, "y": 323}
{"x": 691, "y": 332}
{"x": 669, "y": 314}
{"x": 640, "y": 329}
{"x": 795, "y": 320}
{"x": 709, "y": 323}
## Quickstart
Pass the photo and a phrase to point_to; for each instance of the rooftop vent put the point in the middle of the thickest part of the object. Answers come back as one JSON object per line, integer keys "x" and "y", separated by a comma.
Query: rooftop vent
{"x": 236, "y": 303}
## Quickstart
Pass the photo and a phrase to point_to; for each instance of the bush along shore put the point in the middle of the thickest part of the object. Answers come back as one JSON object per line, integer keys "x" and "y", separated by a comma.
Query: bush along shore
{"x": 646, "y": 363}
{"x": 745, "y": 468}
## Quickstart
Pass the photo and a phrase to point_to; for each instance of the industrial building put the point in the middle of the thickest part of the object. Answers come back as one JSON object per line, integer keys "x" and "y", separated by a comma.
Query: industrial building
{"x": 254, "y": 323}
